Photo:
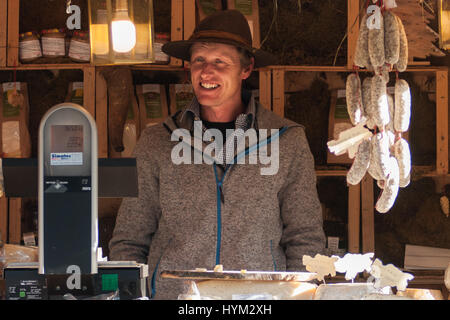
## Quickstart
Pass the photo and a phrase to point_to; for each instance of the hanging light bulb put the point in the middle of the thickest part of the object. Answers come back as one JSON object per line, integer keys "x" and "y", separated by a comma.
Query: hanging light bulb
{"x": 123, "y": 30}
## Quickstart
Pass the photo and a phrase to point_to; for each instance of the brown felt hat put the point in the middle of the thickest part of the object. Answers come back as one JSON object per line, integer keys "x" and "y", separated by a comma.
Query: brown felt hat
{"x": 224, "y": 26}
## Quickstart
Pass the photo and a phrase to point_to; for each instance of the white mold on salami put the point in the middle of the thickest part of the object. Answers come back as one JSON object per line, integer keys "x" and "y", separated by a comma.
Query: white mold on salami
{"x": 380, "y": 154}
{"x": 354, "y": 98}
{"x": 391, "y": 38}
{"x": 390, "y": 190}
{"x": 376, "y": 45}
{"x": 390, "y": 125}
{"x": 360, "y": 164}
{"x": 362, "y": 58}
{"x": 384, "y": 71}
{"x": 380, "y": 101}
{"x": 367, "y": 102}
{"x": 402, "y": 113}
{"x": 403, "y": 155}
{"x": 402, "y": 62}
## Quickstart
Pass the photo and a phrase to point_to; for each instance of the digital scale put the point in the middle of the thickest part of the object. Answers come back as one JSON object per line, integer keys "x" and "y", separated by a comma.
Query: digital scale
{"x": 67, "y": 177}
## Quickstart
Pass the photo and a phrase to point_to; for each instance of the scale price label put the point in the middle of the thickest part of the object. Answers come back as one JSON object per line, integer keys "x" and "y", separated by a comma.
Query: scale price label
{"x": 66, "y": 158}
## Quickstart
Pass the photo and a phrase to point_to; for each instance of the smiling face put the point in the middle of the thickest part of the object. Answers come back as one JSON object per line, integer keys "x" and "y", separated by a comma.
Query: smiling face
{"x": 217, "y": 74}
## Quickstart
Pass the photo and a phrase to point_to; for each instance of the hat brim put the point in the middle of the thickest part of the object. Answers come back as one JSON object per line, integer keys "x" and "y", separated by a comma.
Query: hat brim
{"x": 181, "y": 50}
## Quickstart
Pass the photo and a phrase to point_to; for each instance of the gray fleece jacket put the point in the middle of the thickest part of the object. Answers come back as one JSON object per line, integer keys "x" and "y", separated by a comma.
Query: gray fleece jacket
{"x": 191, "y": 216}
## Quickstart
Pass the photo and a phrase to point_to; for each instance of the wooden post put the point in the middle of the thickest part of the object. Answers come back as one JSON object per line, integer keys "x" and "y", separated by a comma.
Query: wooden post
{"x": 188, "y": 18}
{"x": 89, "y": 89}
{"x": 3, "y": 31}
{"x": 13, "y": 33}
{"x": 265, "y": 88}
{"x": 101, "y": 114}
{"x": 15, "y": 220}
{"x": 367, "y": 215}
{"x": 354, "y": 212}
{"x": 442, "y": 122}
{"x": 278, "y": 92}
{"x": 4, "y": 218}
{"x": 176, "y": 32}
{"x": 352, "y": 30}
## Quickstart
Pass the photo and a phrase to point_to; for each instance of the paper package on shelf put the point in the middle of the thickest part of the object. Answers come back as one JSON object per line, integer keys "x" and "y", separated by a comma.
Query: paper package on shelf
{"x": 152, "y": 104}
{"x": 14, "y": 118}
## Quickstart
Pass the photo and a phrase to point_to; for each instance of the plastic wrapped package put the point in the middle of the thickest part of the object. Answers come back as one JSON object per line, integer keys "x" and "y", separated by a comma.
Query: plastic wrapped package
{"x": 131, "y": 131}
{"x": 249, "y": 290}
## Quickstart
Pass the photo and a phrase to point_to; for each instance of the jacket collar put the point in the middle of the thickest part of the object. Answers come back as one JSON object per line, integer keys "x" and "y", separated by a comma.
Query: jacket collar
{"x": 191, "y": 112}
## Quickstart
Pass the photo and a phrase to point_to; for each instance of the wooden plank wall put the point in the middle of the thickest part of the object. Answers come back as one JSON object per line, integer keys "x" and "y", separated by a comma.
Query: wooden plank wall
{"x": 3, "y": 43}
{"x": 13, "y": 33}
{"x": 265, "y": 88}
{"x": 176, "y": 29}
{"x": 367, "y": 214}
{"x": 278, "y": 92}
{"x": 354, "y": 214}
{"x": 4, "y": 219}
{"x": 3, "y": 31}
{"x": 101, "y": 114}
{"x": 442, "y": 122}
{"x": 352, "y": 30}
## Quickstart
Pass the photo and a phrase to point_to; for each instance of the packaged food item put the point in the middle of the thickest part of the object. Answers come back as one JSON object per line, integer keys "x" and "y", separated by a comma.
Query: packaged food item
{"x": 80, "y": 48}
{"x": 180, "y": 96}
{"x": 160, "y": 39}
{"x": 14, "y": 118}
{"x": 132, "y": 129}
{"x": 75, "y": 93}
{"x": 152, "y": 104}
{"x": 29, "y": 47}
{"x": 53, "y": 43}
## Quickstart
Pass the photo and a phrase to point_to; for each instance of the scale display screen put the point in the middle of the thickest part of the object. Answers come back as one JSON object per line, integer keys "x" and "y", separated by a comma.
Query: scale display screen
{"x": 66, "y": 148}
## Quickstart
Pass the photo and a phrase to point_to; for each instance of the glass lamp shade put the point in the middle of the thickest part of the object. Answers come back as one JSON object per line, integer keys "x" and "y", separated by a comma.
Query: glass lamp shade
{"x": 121, "y": 31}
{"x": 444, "y": 24}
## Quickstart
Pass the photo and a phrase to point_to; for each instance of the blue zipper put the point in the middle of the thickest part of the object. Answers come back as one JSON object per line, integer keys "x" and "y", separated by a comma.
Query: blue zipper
{"x": 219, "y": 213}
{"x": 219, "y": 191}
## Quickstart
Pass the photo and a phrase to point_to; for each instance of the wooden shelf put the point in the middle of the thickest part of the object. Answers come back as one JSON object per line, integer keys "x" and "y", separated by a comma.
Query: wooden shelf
{"x": 272, "y": 96}
{"x": 55, "y": 66}
{"x": 300, "y": 68}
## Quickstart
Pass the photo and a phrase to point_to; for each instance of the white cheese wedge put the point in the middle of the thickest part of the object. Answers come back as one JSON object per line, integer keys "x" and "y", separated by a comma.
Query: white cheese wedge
{"x": 344, "y": 291}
